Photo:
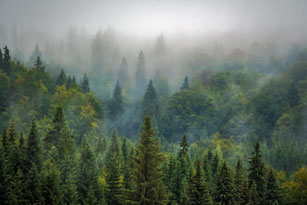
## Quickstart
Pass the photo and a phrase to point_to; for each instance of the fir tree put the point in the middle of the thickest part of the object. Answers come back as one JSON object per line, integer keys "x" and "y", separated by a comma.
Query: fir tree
{"x": 5, "y": 185}
{"x": 114, "y": 186}
{"x": 185, "y": 85}
{"x": 33, "y": 186}
{"x": 69, "y": 189}
{"x": 224, "y": 188}
{"x": 215, "y": 164}
{"x": 1, "y": 59}
{"x": 39, "y": 65}
{"x": 116, "y": 107}
{"x": 35, "y": 55}
{"x": 18, "y": 189}
{"x": 256, "y": 171}
{"x": 69, "y": 83}
{"x": 272, "y": 192}
{"x": 150, "y": 104}
{"x": 6, "y": 63}
{"x": 140, "y": 76}
{"x": 90, "y": 198}
{"x": 122, "y": 76}
{"x": 198, "y": 190}
{"x": 293, "y": 96}
{"x": 184, "y": 146}
{"x": 87, "y": 173}
{"x": 147, "y": 173}
{"x": 85, "y": 87}
{"x": 33, "y": 150}
{"x": 62, "y": 78}
{"x": 241, "y": 189}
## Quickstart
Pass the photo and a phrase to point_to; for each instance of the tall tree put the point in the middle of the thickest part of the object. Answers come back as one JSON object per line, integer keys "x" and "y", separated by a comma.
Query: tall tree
{"x": 140, "y": 76}
{"x": 150, "y": 105}
{"x": 114, "y": 186}
{"x": 85, "y": 87}
{"x": 256, "y": 171}
{"x": 62, "y": 78}
{"x": 241, "y": 189}
{"x": 33, "y": 150}
{"x": 123, "y": 76}
{"x": 272, "y": 192}
{"x": 198, "y": 190}
{"x": 148, "y": 173}
{"x": 1, "y": 58}
{"x": 185, "y": 85}
{"x": 116, "y": 107}
{"x": 39, "y": 65}
{"x": 224, "y": 188}
{"x": 6, "y": 64}
{"x": 35, "y": 54}
{"x": 293, "y": 96}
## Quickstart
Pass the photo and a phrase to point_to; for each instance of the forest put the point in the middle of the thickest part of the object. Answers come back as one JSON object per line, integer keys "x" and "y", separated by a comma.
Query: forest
{"x": 108, "y": 118}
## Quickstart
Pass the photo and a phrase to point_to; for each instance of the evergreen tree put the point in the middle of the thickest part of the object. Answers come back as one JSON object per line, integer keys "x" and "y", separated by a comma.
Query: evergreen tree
{"x": 33, "y": 186}
{"x": 18, "y": 189}
{"x": 198, "y": 190}
{"x": 69, "y": 189}
{"x": 116, "y": 106}
{"x": 1, "y": 59}
{"x": 272, "y": 192}
{"x": 35, "y": 55}
{"x": 123, "y": 76}
{"x": 185, "y": 85}
{"x": 5, "y": 188}
{"x": 150, "y": 104}
{"x": 39, "y": 65}
{"x": 6, "y": 63}
{"x": 33, "y": 150}
{"x": 140, "y": 76}
{"x": 293, "y": 96}
{"x": 241, "y": 189}
{"x": 69, "y": 83}
{"x": 215, "y": 164}
{"x": 224, "y": 188}
{"x": 87, "y": 173}
{"x": 184, "y": 147}
{"x": 147, "y": 173}
{"x": 85, "y": 87}
{"x": 62, "y": 78}
{"x": 256, "y": 171}
{"x": 114, "y": 186}
{"x": 90, "y": 198}
{"x": 4, "y": 141}
{"x": 51, "y": 191}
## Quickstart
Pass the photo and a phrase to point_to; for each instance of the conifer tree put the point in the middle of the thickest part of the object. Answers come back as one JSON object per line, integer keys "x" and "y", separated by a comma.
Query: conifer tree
{"x": 33, "y": 150}
{"x": 18, "y": 189}
{"x": 114, "y": 187}
{"x": 69, "y": 189}
{"x": 140, "y": 76}
{"x": 215, "y": 164}
{"x": 150, "y": 104}
{"x": 6, "y": 63}
{"x": 33, "y": 186}
{"x": 35, "y": 55}
{"x": 122, "y": 76}
{"x": 256, "y": 171}
{"x": 1, "y": 59}
{"x": 184, "y": 147}
{"x": 224, "y": 188}
{"x": 62, "y": 78}
{"x": 116, "y": 107}
{"x": 185, "y": 85}
{"x": 69, "y": 83}
{"x": 85, "y": 87}
{"x": 241, "y": 189}
{"x": 272, "y": 192}
{"x": 148, "y": 173}
{"x": 5, "y": 187}
{"x": 90, "y": 198}
{"x": 39, "y": 65}
{"x": 87, "y": 173}
{"x": 293, "y": 96}
{"x": 198, "y": 190}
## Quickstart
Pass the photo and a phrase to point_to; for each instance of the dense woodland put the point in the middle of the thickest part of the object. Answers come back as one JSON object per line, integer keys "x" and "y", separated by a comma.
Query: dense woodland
{"x": 230, "y": 133}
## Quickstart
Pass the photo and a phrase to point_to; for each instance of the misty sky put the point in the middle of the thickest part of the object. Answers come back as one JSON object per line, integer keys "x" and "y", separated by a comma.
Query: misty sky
{"x": 151, "y": 17}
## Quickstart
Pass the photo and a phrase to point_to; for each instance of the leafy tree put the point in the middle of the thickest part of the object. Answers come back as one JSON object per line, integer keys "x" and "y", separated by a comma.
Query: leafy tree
{"x": 62, "y": 78}
{"x": 116, "y": 106}
{"x": 256, "y": 171}
{"x": 198, "y": 190}
{"x": 85, "y": 87}
{"x": 185, "y": 84}
{"x": 114, "y": 186}
{"x": 224, "y": 187}
{"x": 147, "y": 173}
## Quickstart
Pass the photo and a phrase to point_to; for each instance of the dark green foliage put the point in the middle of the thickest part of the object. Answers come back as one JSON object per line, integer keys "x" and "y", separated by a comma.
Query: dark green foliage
{"x": 147, "y": 173}
{"x": 33, "y": 186}
{"x": 62, "y": 78}
{"x": 293, "y": 96}
{"x": 184, "y": 147}
{"x": 1, "y": 58}
{"x": 116, "y": 105}
{"x": 38, "y": 66}
{"x": 224, "y": 187}
{"x": 150, "y": 104}
{"x": 272, "y": 190}
{"x": 6, "y": 63}
{"x": 140, "y": 76}
{"x": 123, "y": 76}
{"x": 198, "y": 190}
{"x": 85, "y": 87}
{"x": 185, "y": 84}
{"x": 241, "y": 187}
{"x": 256, "y": 172}
{"x": 33, "y": 149}
{"x": 87, "y": 173}
{"x": 35, "y": 55}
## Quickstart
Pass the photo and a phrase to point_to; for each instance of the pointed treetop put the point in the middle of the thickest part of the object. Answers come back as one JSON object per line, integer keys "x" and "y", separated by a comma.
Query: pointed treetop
{"x": 185, "y": 85}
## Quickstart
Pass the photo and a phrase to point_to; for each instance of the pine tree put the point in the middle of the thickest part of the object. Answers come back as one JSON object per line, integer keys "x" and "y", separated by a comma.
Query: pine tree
{"x": 272, "y": 192}
{"x": 241, "y": 189}
{"x": 185, "y": 85}
{"x": 35, "y": 55}
{"x": 4, "y": 141}
{"x": 62, "y": 78}
{"x": 33, "y": 186}
{"x": 116, "y": 107}
{"x": 256, "y": 171}
{"x": 198, "y": 190}
{"x": 293, "y": 96}
{"x": 6, "y": 63}
{"x": 114, "y": 187}
{"x": 147, "y": 173}
{"x": 215, "y": 164}
{"x": 33, "y": 150}
{"x": 140, "y": 76}
{"x": 39, "y": 65}
{"x": 18, "y": 189}
{"x": 87, "y": 173}
{"x": 90, "y": 198}
{"x": 51, "y": 191}
{"x": 69, "y": 189}
{"x": 224, "y": 188}
{"x": 122, "y": 76}
{"x": 85, "y": 87}
{"x": 150, "y": 104}
{"x": 5, "y": 185}
{"x": 1, "y": 59}
{"x": 184, "y": 147}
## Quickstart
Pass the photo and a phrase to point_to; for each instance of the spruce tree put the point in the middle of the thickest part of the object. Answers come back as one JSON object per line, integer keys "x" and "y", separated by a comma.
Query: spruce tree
{"x": 150, "y": 104}
{"x": 116, "y": 107}
{"x": 5, "y": 185}
{"x": 256, "y": 171}
{"x": 69, "y": 189}
{"x": 6, "y": 63}
{"x": 62, "y": 78}
{"x": 90, "y": 198}
{"x": 114, "y": 187}
{"x": 241, "y": 189}
{"x": 87, "y": 173}
{"x": 35, "y": 55}
{"x": 184, "y": 147}
{"x": 85, "y": 87}
{"x": 198, "y": 190}
{"x": 38, "y": 66}
{"x": 33, "y": 186}
{"x": 185, "y": 85}
{"x": 272, "y": 192}
{"x": 215, "y": 164}
{"x": 18, "y": 189}
{"x": 293, "y": 96}
{"x": 224, "y": 188}
{"x": 140, "y": 76}
{"x": 122, "y": 76}
{"x": 148, "y": 173}
{"x": 1, "y": 59}
{"x": 33, "y": 150}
